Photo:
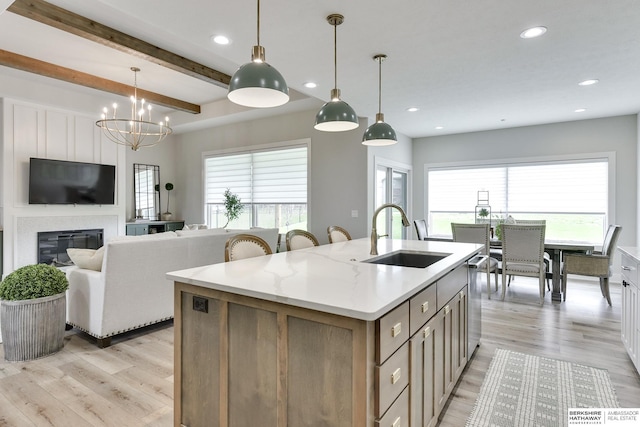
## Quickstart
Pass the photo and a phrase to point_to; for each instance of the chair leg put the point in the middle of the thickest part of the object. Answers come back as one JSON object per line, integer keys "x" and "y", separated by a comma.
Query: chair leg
{"x": 488, "y": 283}
{"x": 504, "y": 284}
{"x": 496, "y": 274}
{"x": 604, "y": 285}
{"x": 563, "y": 286}
{"x": 542, "y": 280}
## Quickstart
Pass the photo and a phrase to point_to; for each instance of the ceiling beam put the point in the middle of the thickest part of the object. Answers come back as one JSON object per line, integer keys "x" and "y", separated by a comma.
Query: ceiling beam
{"x": 65, "y": 20}
{"x": 24, "y": 63}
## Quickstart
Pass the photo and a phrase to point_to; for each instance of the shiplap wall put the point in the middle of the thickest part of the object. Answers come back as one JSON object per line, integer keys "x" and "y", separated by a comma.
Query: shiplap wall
{"x": 32, "y": 130}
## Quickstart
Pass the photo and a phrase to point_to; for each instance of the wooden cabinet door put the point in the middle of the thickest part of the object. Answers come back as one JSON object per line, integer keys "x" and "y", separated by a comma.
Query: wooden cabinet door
{"x": 629, "y": 321}
{"x": 426, "y": 373}
{"x": 459, "y": 304}
{"x": 442, "y": 362}
{"x": 448, "y": 351}
{"x": 137, "y": 229}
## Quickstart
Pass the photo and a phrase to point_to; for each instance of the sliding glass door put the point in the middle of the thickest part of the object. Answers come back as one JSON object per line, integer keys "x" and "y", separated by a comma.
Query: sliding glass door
{"x": 392, "y": 186}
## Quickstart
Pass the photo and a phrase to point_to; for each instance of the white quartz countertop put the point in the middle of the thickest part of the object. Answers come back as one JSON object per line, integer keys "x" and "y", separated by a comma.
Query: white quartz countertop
{"x": 632, "y": 251}
{"x": 331, "y": 278}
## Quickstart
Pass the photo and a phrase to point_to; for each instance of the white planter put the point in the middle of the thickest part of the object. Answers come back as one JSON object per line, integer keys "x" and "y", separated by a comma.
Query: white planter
{"x": 33, "y": 328}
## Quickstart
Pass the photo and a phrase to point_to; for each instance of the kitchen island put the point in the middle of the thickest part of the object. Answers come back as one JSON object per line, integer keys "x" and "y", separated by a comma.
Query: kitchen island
{"x": 320, "y": 337}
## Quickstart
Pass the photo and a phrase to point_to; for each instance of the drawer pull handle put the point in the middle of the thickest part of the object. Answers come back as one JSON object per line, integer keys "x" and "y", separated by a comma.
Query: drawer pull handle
{"x": 427, "y": 331}
{"x": 396, "y": 423}
{"x": 625, "y": 268}
{"x": 425, "y": 306}
{"x": 397, "y": 328}
{"x": 395, "y": 376}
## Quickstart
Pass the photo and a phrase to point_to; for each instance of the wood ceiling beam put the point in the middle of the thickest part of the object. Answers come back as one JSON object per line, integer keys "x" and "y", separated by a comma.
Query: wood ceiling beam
{"x": 65, "y": 20}
{"x": 47, "y": 69}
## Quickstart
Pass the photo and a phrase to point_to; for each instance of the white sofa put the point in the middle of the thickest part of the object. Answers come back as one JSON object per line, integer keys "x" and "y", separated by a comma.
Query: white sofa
{"x": 131, "y": 290}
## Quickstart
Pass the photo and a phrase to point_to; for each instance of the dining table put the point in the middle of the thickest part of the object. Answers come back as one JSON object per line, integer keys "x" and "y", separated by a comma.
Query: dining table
{"x": 554, "y": 248}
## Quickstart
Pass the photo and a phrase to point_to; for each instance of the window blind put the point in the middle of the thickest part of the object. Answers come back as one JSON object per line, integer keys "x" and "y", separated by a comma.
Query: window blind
{"x": 267, "y": 177}
{"x": 563, "y": 187}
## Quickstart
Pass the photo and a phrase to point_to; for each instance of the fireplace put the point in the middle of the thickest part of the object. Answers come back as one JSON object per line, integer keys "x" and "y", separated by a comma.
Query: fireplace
{"x": 52, "y": 245}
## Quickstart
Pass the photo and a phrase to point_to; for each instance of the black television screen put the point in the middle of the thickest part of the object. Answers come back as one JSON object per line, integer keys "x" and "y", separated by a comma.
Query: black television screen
{"x": 59, "y": 182}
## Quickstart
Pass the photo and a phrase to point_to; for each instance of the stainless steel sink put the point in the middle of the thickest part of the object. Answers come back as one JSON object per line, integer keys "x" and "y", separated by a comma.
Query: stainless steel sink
{"x": 405, "y": 258}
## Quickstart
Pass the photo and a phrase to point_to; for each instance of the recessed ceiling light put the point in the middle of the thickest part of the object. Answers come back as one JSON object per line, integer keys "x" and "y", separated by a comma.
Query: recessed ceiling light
{"x": 580, "y": 110}
{"x": 533, "y": 32}
{"x": 412, "y": 109}
{"x": 439, "y": 127}
{"x": 310, "y": 85}
{"x": 588, "y": 82}
{"x": 220, "y": 39}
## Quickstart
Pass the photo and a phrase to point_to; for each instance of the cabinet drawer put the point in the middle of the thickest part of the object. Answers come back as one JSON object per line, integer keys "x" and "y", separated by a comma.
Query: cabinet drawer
{"x": 392, "y": 330}
{"x": 629, "y": 267}
{"x": 450, "y": 285}
{"x": 398, "y": 414}
{"x": 421, "y": 308}
{"x": 391, "y": 378}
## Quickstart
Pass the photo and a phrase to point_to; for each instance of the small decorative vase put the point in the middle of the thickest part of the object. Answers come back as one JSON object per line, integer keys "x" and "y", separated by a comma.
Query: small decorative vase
{"x": 167, "y": 216}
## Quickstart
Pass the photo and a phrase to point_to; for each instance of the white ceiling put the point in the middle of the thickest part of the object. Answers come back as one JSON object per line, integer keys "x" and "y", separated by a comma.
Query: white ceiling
{"x": 462, "y": 63}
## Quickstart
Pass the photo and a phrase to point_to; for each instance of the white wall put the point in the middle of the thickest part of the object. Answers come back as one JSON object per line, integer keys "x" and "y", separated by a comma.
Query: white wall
{"x": 337, "y": 172}
{"x": 34, "y": 130}
{"x": 616, "y": 134}
{"x": 162, "y": 155}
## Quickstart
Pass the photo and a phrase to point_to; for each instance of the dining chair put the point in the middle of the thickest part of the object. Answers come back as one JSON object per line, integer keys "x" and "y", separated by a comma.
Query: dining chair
{"x": 421, "y": 228}
{"x": 523, "y": 254}
{"x": 478, "y": 233}
{"x": 243, "y": 246}
{"x": 547, "y": 257}
{"x": 337, "y": 234}
{"x": 300, "y": 239}
{"x": 596, "y": 264}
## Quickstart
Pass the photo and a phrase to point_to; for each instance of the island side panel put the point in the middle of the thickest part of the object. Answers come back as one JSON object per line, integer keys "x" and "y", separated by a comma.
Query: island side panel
{"x": 199, "y": 355}
{"x": 253, "y": 358}
{"x": 320, "y": 370}
{"x": 284, "y": 365}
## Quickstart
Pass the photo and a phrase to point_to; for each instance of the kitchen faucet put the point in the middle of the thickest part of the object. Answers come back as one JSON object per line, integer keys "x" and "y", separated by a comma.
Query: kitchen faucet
{"x": 374, "y": 232}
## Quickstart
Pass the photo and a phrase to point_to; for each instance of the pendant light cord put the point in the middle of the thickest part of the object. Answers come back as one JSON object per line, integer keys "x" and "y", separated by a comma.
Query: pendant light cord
{"x": 380, "y": 85}
{"x": 335, "y": 56}
{"x": 258, "y": 31}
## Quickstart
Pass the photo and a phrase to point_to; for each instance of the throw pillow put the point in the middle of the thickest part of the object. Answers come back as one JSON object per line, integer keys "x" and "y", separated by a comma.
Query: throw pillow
{"x": 90, "y": 259}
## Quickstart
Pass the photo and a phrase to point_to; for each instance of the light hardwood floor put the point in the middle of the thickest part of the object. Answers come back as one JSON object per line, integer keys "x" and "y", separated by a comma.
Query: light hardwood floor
{"x": 131, "y": 382}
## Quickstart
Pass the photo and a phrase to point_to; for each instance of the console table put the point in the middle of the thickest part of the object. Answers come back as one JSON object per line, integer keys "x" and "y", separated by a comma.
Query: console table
{"x": 152, "y": 227}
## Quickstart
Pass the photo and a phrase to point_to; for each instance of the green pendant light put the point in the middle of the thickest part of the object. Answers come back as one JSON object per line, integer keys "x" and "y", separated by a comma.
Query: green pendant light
{"x": 257, "y": 84}
{"x": 336, "y": 115}
{"x": 379, "y": 133}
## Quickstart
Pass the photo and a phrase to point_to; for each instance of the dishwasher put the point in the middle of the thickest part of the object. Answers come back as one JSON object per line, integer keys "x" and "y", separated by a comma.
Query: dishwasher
{"x": 475, "y": 266}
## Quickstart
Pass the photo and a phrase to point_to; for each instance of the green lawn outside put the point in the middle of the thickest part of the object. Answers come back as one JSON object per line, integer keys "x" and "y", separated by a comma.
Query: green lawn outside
{"x": 565, "y": 227}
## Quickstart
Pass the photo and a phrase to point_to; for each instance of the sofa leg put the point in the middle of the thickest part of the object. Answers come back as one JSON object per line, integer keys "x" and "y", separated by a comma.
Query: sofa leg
{"x": 104, "y": 342}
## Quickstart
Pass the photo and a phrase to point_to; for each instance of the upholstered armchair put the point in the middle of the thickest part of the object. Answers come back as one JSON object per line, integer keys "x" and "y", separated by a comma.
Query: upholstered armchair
{"x": 421, "y": 228}
{"x": 300, "y": 239}
{"x": 597, "y": 264}
{"x": 243, "y": 246}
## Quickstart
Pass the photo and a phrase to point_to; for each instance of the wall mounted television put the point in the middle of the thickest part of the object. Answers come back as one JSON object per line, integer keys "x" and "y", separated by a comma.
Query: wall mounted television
{"x": 60, "y": 182}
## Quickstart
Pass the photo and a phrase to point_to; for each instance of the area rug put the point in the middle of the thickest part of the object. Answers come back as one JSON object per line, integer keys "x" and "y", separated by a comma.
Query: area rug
{"x": 524, "y": 390}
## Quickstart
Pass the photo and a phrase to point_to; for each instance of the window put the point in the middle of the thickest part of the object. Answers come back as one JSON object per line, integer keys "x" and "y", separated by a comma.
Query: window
{"x": 572, "y": 196}
{"x": 271, "y": 184}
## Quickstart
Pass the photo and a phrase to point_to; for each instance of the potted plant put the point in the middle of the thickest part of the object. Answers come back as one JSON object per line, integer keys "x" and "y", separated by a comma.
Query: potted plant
{"x": 232, "y": 206}
{"x": 167, "y": 215}
{"x": 33, "y": 312}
